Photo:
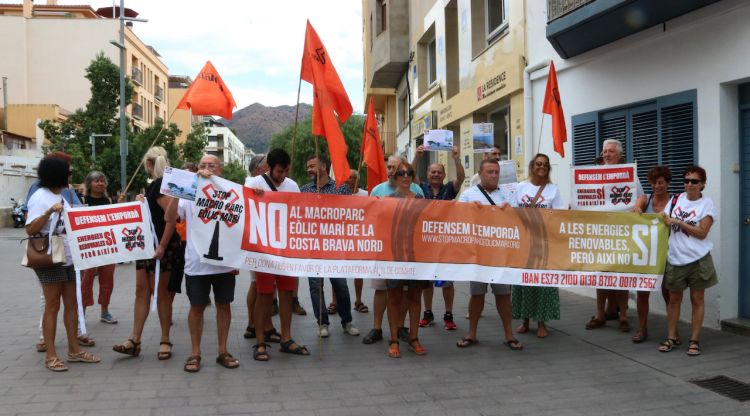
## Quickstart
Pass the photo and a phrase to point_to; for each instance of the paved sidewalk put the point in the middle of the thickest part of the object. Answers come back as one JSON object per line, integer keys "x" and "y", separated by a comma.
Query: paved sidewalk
{"x": 572, "y": 372}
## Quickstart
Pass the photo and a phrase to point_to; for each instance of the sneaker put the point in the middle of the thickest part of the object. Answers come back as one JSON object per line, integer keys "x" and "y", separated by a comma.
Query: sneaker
{"x": 350, "y": 329}
{"x": 448, "y": 322}
{"x": 427, "y": 320}
{"x": 324, "y": 331}
{"x": 108, "y": 319}
{"x": 297, "y": 309}
{"x": 275, "y": 308}
{"x": 373, "y": 336}
{"x": 403, "y": 334}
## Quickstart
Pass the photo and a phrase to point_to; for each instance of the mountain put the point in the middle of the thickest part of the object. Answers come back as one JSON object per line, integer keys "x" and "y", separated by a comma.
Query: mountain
{"x": 256, "y": 123}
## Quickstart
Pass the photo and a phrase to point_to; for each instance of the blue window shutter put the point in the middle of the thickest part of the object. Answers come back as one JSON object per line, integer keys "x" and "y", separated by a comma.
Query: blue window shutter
{"x": 585, "y": 147}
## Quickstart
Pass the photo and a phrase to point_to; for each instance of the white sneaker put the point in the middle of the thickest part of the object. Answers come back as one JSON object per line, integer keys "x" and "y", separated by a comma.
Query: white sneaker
{"x": 324, "y": 331}
{"x": 350, "y": 329}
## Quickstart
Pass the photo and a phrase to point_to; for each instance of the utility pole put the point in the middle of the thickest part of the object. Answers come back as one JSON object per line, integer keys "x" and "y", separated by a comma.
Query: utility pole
{"x": 92, "y": 142}
{"x": 123, "y": 138}
{"x": 5, "y": 103}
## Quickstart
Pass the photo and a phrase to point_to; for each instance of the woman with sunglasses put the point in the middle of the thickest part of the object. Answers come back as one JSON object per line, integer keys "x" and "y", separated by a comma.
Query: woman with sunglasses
{"x": 536, "y": 302}
{"x": 659, "y": 177}
{"x": 404, "y": 176}
{"x": 689, "y": 264}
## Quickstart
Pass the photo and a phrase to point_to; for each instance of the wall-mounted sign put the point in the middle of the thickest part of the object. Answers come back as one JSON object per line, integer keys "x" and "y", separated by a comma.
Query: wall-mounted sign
{"x": 422, "y": 123}
{"x": 491, "y": 86}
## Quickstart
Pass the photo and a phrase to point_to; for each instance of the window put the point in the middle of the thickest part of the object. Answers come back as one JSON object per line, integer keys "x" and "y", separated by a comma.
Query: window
{"x": 495, "y": 17}
{"x": 660, "y": 131}
{"x": 382, "y": 16}
{"x": 403, "y": 111}
{"x": 431, "y": 63}
{"x": 489, "y": 21}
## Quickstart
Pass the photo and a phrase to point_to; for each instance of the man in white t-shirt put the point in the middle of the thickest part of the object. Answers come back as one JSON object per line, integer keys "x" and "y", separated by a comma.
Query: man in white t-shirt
{"x": 494, "y": 154}
{"x": 201, "y": 279}
{"x": 353, "y": 182}
{"x": 275, "y": 180}
{"x": 488, "y": 193}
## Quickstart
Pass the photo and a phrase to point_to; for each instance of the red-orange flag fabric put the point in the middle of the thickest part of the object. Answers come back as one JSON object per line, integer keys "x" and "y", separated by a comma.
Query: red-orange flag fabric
{"x": 372, "y": 150}
{"x": 208, "y": 95}
{"x": 318, "y": 70}
{"x": 335, "y": 139}
{"x": 553, "y": 107}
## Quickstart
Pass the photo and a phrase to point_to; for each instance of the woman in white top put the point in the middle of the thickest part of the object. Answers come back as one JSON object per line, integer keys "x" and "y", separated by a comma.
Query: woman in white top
{"x": 689, "y": 262}
{"x": 534, "y": 302}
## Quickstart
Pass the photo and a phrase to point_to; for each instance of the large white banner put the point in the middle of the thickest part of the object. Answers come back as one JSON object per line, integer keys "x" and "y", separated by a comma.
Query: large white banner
{"x": 109, "y": 234}
{"x": 605, "y": 188}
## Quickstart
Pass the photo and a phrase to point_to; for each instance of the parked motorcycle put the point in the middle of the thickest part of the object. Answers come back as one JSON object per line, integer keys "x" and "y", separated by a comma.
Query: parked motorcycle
{"x": 18, "y": 211}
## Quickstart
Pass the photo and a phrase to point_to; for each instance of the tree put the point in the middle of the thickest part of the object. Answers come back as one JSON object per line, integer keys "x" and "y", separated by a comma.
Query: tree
{"x": 140, "y": 144}
{"x": 98, "y": 117}
{"x": 196, "y": 142}
{"x": 235, "y": 172}
{"x": 304, "y": 147}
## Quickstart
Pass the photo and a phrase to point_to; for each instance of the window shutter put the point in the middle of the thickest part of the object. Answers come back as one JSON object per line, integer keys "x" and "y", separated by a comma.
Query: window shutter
{"x": 614, "y": 126}
{"x": 677, "y": 141}
{"x": 645, "y": 144}
{"x": 584, "y": 141}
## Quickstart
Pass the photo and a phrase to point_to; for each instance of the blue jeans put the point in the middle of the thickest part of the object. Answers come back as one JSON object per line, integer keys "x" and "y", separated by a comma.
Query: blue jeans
{"x": 342, "y": 300}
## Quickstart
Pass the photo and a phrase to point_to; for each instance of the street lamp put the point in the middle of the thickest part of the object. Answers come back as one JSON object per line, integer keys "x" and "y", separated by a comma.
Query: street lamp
{"x": 92, "y": 142}
{"x": 123, "y": 139}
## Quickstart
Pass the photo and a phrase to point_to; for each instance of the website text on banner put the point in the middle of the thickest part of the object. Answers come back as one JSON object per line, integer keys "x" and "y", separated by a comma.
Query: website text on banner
{"x": 605, "y": 188}
{"x": 109, "y": 234}
{"x": 393, "y": 238}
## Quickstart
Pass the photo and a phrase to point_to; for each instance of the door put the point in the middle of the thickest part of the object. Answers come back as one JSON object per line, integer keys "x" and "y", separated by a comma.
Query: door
{"x": 744, "y": 277}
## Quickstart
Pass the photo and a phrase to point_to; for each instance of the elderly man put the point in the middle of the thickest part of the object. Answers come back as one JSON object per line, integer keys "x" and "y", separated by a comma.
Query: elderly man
{"x": 386, "y": 188}
{"x": 612, "y": 155}
{"x": 434, "y": 188}
{"x": 275, "y": 180}
{"x": 317, "y": 171}
{"x": 488, "y": 193}
{"x": 201, "y": 279}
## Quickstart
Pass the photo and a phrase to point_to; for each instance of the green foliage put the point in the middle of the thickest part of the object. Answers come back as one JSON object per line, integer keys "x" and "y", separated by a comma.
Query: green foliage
{"x": 196, "y": 142}
{"x": 141, "y": 142}
{"x": 304, "y": 147}
{"x": 234, "y": 172}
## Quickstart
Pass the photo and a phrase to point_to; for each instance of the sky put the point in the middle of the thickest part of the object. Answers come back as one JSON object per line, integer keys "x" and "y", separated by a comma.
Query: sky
{"x": 255, "y": 45}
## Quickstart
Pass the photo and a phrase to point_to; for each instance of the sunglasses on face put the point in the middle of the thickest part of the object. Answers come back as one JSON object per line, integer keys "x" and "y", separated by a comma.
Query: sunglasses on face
{"x": 692, "y": 181}
{"x": 404, "y": 174}
{"x": 541, "y": 164}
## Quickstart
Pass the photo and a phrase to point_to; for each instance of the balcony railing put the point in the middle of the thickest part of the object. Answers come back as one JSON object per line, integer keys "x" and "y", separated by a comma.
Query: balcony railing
{"x": 137, "y": 112}
{"x": 137, "y": 76}
{"x": 159, "y": 94}
{"x": 559, "y": 8}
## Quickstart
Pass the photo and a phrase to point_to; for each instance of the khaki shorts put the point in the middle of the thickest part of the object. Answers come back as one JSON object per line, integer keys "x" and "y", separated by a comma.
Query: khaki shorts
{"x": 699, "y": 274}
{"x": 378, "y": 284}
{"x": 480, "y": 288}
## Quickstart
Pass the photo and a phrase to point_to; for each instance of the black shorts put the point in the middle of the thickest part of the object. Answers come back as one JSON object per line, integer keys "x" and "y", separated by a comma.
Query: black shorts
{"x": 199, "y": 288}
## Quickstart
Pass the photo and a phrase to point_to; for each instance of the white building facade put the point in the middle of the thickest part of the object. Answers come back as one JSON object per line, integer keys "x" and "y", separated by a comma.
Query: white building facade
{"x": 675, "y": 91}
{"x": 223, "y": 143}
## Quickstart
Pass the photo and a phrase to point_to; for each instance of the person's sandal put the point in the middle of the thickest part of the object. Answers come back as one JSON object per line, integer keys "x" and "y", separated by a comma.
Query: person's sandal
{"x": 361, "y": 307}
{"x": 286, "y": 347}
{"x": 272, "y": 335}
{"x": 249, "y": 333}
{"x": 134, "y": 349}
{"x": 55, "y": 364}
{"x": 83, "y": 357}
{"x": 193, "y": 364}
{"x": 260, "y": 355}
{"x": 466, "y": 342}
{"x": 41, "y": 346}
{"x": 513, "y": 344}
{"x": 164, "y": 355}
{"x": 667, "y": 345}
{"x": 394, "y": 351}
{"x": 226, "y": 360}
{"x": 639, "y": 337}
{"x": 595, "y": 323}
{"x": 416, "y": 347}
{"x": 86, "y": 341}
{"x": 694, "y": 348}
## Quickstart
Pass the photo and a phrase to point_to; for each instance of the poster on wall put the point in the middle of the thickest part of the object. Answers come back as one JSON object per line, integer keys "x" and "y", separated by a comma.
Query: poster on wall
{"x": 483, "y": 134}
{"x": 436, "y": 140}
{"x": 604, "y": 188}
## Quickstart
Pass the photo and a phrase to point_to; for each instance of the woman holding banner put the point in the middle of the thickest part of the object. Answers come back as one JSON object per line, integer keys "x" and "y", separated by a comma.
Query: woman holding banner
{"x": 404, "y": 175}
{"x": 659, "y": 177}
{"x": 536, "y": 302}
{"x": 155, "y": 161}
{"x": 95, "y": 194}
{"x": 58, "y": 282}
{"x": 689, "y": 262}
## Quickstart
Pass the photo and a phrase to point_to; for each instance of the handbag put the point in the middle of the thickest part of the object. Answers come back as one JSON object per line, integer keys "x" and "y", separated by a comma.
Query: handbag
{"x": 44, "y": 251}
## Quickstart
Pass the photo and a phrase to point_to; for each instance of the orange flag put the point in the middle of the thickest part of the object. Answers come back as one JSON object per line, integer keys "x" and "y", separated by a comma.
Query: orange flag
{"x": 318, "y": 70}
{"x": 553, "y": 107}
{"x": 329, "y": 97}
{"x": 208, "y": 95}
{"x": 372, "y": 150}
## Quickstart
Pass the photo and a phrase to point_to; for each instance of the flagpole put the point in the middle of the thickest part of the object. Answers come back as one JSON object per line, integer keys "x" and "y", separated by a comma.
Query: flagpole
{"x": 296, "y": 114}
{"x": 322, "y": 280}
{"x": 539, "y": 142}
